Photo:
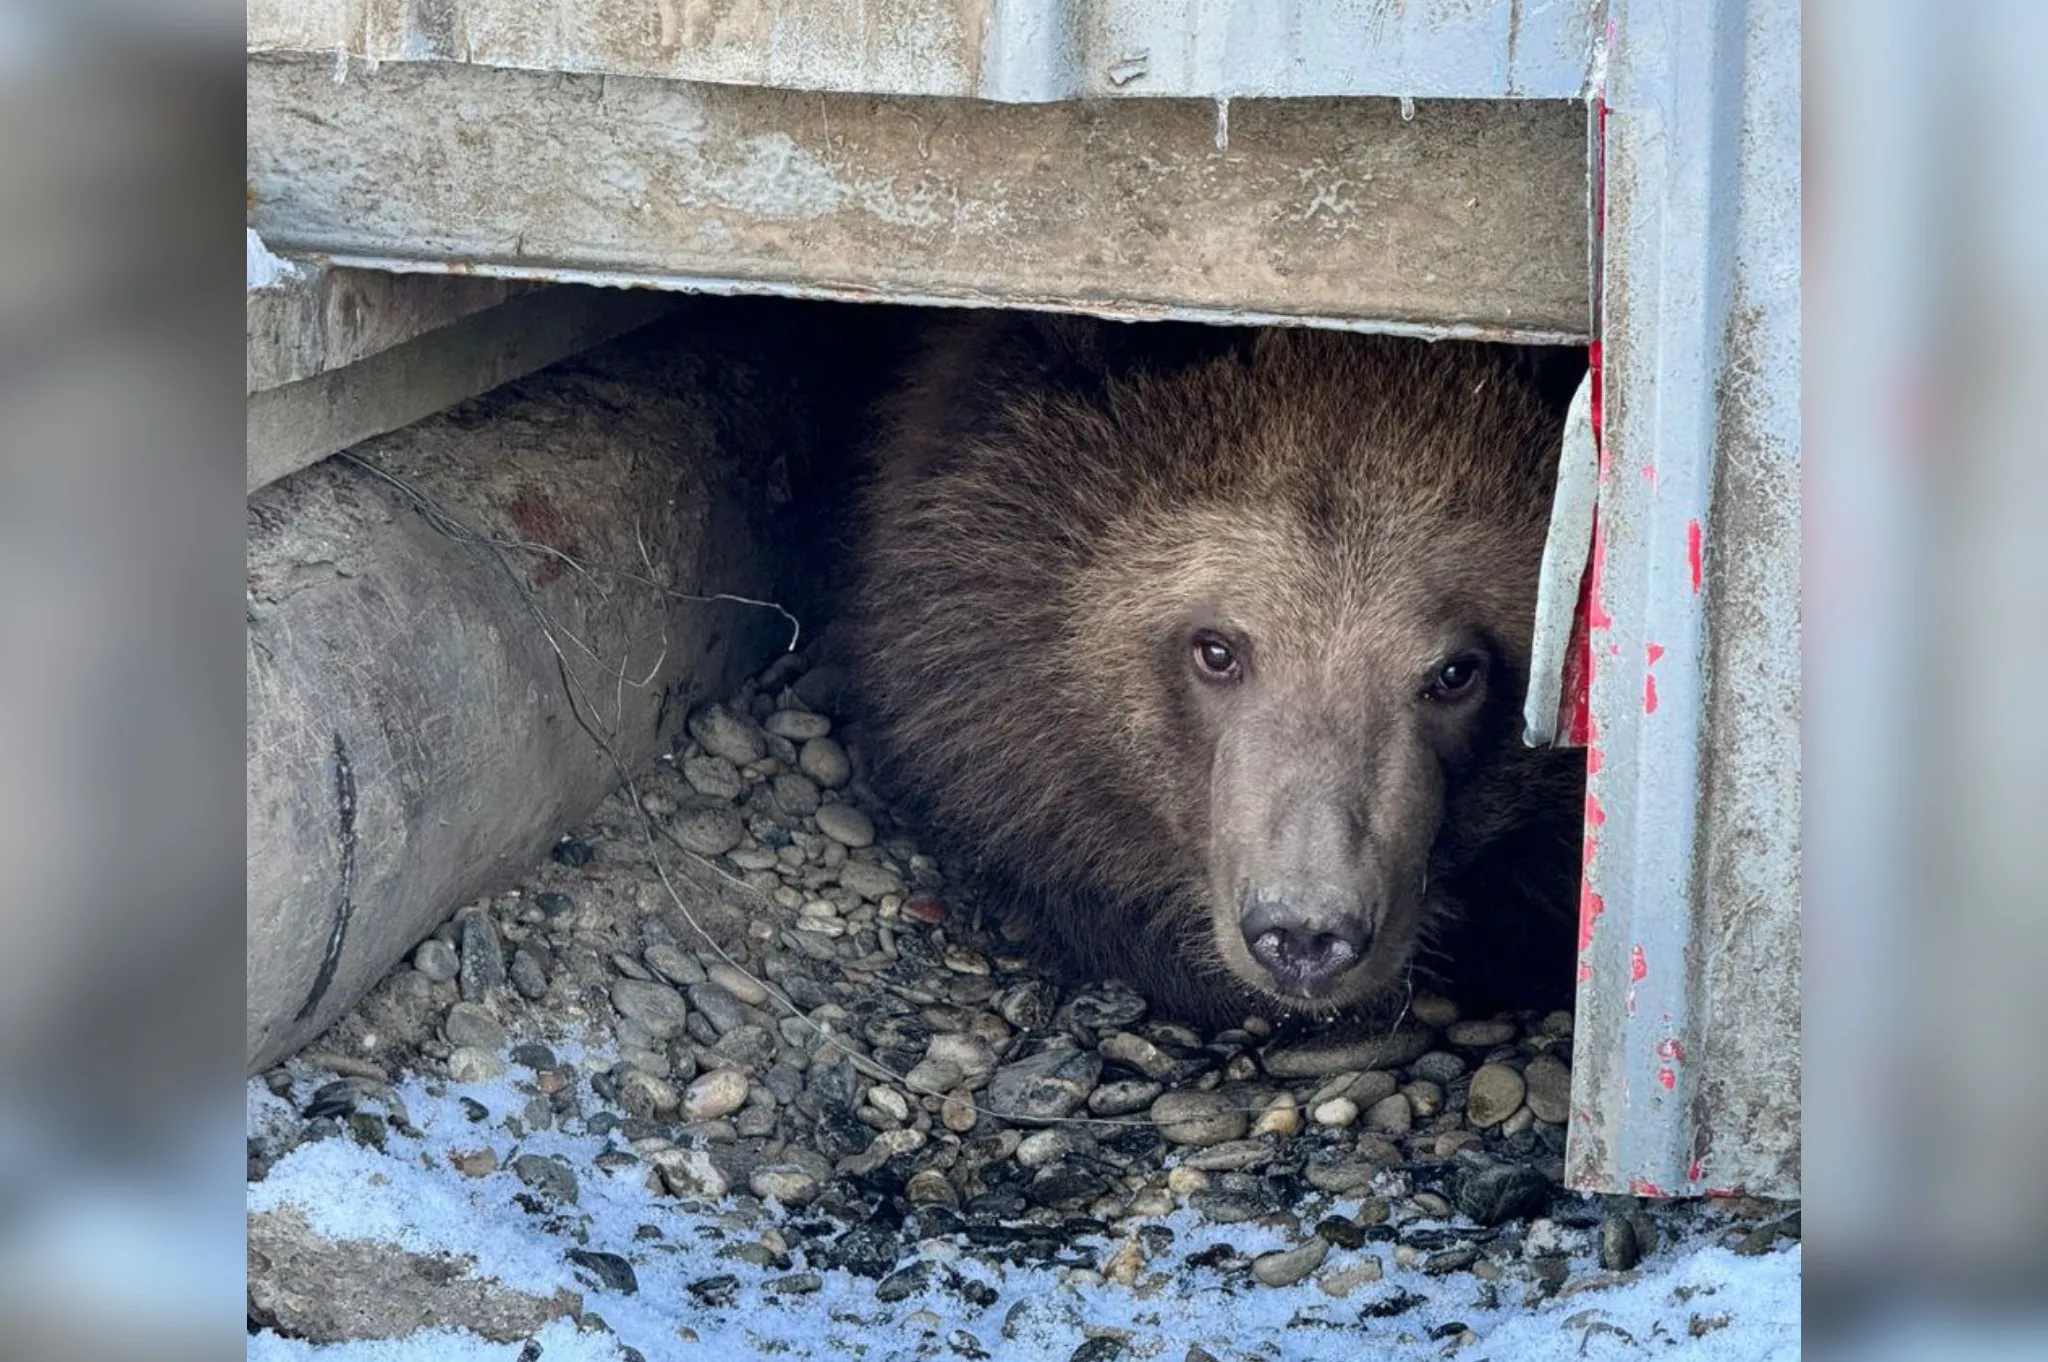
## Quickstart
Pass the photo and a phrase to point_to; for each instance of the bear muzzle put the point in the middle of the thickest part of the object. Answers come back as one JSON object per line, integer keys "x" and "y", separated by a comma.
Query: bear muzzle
{"x": 1306, "y": 937}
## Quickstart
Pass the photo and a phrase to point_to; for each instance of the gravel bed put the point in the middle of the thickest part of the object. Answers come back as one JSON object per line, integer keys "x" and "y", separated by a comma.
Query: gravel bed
{"x": 752, "y": 998}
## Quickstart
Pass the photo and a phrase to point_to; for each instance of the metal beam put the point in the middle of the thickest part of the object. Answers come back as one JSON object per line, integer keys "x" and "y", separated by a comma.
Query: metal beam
{"x": 1020, "y": 51}
{"x": 1686, "y": 1075}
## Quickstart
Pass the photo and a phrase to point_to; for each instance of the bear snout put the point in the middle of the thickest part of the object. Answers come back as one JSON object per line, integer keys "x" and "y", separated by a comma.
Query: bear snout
{"x": 1306, "y": 937}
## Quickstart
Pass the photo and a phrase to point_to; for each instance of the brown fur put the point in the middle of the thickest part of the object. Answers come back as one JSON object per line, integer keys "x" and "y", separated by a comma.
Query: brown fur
{"x": 1056, "y": 506}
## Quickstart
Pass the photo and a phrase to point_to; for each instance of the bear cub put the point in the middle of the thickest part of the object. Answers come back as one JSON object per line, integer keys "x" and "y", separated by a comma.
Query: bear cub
{"x": 1209, "y": 648}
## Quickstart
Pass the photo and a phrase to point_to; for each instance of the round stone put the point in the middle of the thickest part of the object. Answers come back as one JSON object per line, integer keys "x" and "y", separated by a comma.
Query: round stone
{"x": 930, "y": 1188}
{"x": 1281, "y": 1117}
{"x": 1425, "y": 1098}
{"x": 645, "y": 1096}
{"x": 1324, "y": 1056}
{"x": 1440, "y": 1067}
{"x": 933, "y": 1076}
{"x": 1495, "y": 1093}
{"x": 472, "y": 1024}
{"x": 1336, "y": 1113}
{"x": 1043, "y": 1147}
{"x": 718, "y": 1093}
{"x": 709, "y": 832}
{"x": 436, "y": 959}
{"x": 846, "y": 825}
{"x": 797, "y": 725}
{"x": 1494, "y": 1195}
{"x": 785, "y": 1183}
{"x": 657, "y": 1007}
{"x": 1480, "y": 1035}
{"x": 1198, "y": 1118}
{"x": 714, "y": 776}
{"x": 468, "y": 1064}
{"x": 870, "y": 881}
{"x": 724, "y": 733}
{"x": 1619, "y": 1248}
{"x": 676, "y": 966}
{"x": 1124, "y": 1098}
{"x": 1288, "y": 1267}
{"x": 738, "y": 983}
{"x": 795, "y": 794}
{"x": 1550, "y": 1089}
{"x": 1391, "y": 1116}
{"x": 825, "y": 761}
{"x": 1044, "y": 1086}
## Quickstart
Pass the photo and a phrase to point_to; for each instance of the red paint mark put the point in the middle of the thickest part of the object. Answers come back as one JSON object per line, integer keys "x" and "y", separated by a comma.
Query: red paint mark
{"x": 1668, "y": 1079}
{"x": 1576, "y": 684}
{"x": 1692, "y": 1174}
{"x": 1650, "y": 474}
{"x": 1638, "y": 967}
{"x": 1644, "y": 1187}
{"x": 1585, "y": 971}
{"x": 1595, "y": 815}
{"x": 1692, "y": 553}
{"x": 1591, "y": 906}
{"x": 1725, "y": 1191}
{"x": 1596, "y": 608}
{"x": 1649, "y": 695}
{"x": 1593, "y": 761}
{"x": 1655, "y": 651}
{"x": 1671, "y": 1048}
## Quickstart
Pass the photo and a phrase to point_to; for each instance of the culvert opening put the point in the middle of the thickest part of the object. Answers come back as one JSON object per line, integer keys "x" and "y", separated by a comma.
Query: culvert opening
{"x": 772, "y": 1022}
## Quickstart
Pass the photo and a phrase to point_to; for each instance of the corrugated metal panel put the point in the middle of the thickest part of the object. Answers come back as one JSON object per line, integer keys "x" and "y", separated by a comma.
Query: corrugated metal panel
{"x": 1687, "y": 1052}
{"x": 1019, "y": 51}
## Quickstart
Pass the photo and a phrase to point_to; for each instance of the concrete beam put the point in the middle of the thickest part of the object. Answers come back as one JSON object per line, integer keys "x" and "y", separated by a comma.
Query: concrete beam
{"x": 1439, "y": 218}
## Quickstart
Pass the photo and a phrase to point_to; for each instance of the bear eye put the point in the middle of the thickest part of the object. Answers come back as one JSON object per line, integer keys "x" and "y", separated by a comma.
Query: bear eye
{"x": 1454, "y": 679}
{"x": 1215, "y": 660}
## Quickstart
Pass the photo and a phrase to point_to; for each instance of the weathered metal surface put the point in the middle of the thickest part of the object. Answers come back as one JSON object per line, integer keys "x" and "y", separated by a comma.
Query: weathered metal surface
{"x": 1687, "y": 1050}
{"x": 1019, "y": 51}
{"x": 1462, "y": 218}
{"x": 296, "y": 424}
{"x": 1558, "y": 586}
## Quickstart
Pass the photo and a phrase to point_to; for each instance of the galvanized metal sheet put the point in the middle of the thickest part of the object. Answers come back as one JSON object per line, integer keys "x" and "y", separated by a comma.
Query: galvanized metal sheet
{"x": 1686, "y": 1075}
{"x": 1447, "y": 218}
{"x": 1023, "y": 51}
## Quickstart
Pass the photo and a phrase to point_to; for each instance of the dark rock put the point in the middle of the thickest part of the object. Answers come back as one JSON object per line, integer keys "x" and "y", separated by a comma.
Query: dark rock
{"x": 483, "y": 957}
{"x": 1619, "y": 1250}
{"x": 545, "y": 1173}
{"x": 712, "y": 1292}
{"x": 613, "y": 1273}
{"x": 903, "y": 1283}
{"x": 572, "y": 852}
{"x": 1045, "y": 1086}
{"x": 1495, "y": 1195}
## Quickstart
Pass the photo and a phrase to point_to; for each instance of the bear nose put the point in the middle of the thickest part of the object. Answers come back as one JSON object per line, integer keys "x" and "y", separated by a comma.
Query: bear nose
{"x": 1305, "y": 941}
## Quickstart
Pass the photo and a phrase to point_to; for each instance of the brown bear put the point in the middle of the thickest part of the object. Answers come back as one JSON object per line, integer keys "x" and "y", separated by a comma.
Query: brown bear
{"x": 1211, "y": 646}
